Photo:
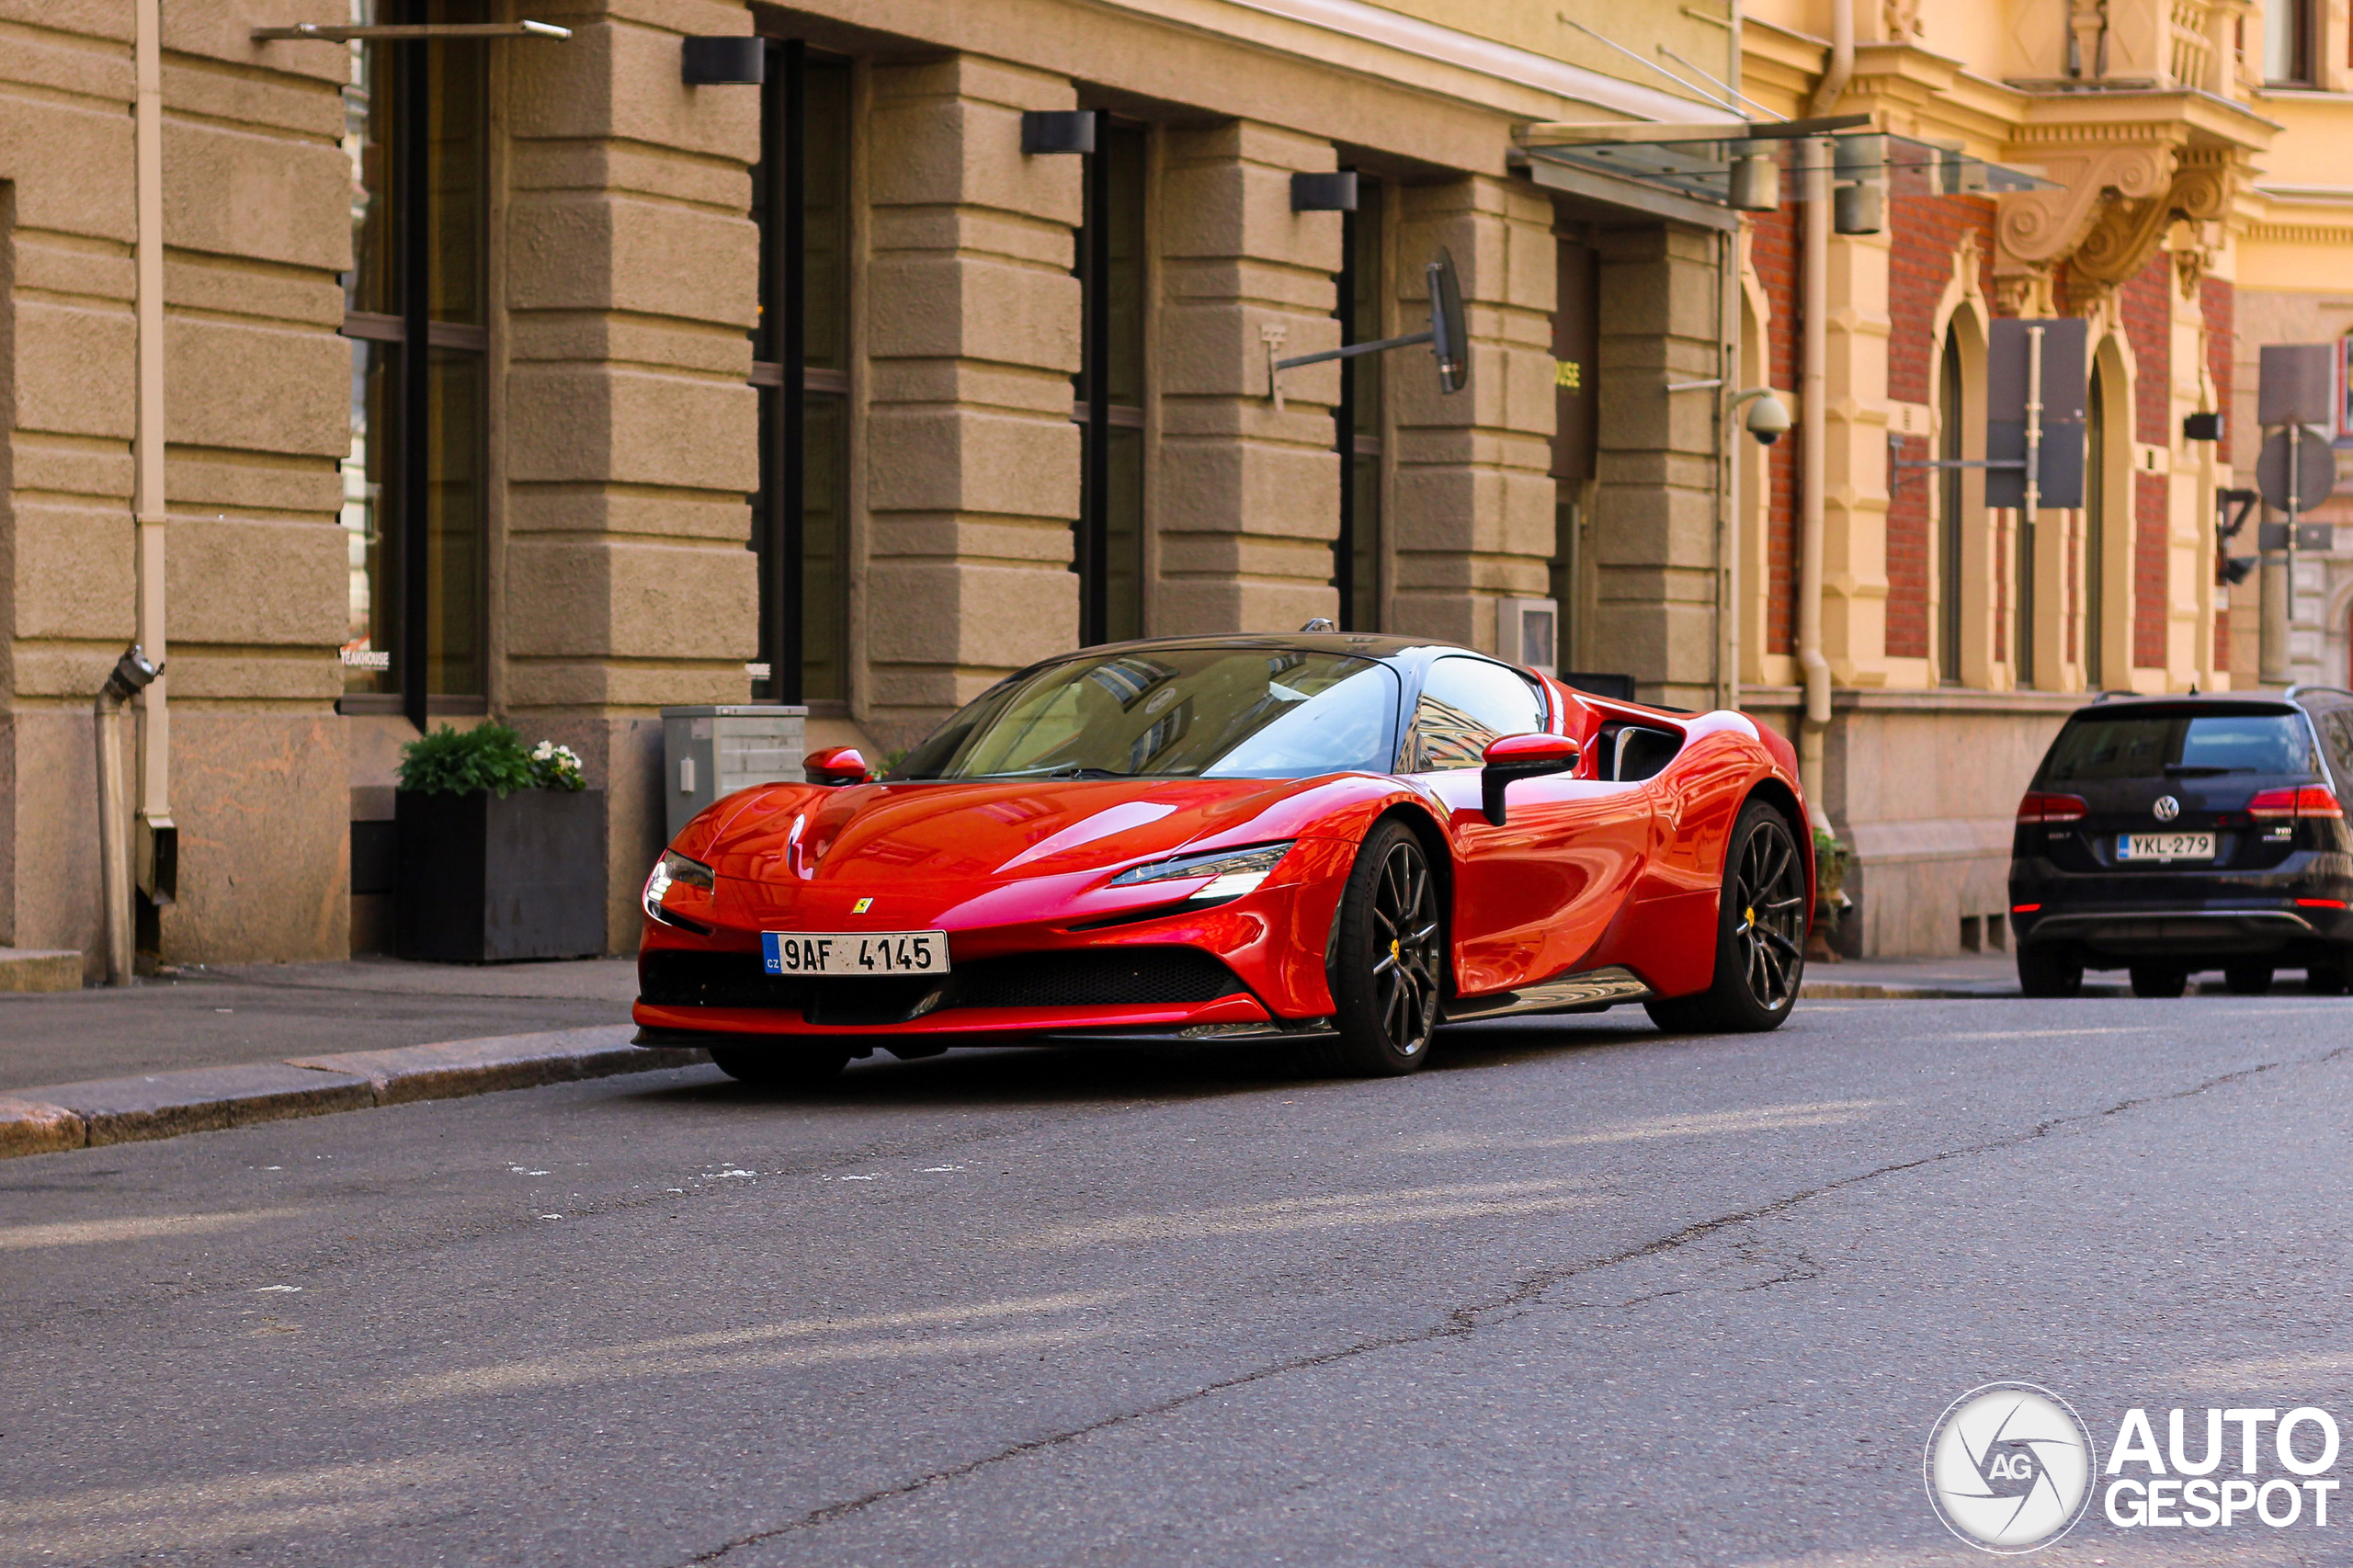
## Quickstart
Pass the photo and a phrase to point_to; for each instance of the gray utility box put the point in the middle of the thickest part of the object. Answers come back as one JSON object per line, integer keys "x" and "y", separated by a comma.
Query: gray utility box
{"x": 708, "y": 753}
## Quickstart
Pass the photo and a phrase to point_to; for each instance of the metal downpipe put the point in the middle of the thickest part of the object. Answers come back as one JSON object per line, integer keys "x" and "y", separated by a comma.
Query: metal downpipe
{"x": 1841, "y": 68}
{"x": 1813, "y": 451}
{"x": 130, "y": 675}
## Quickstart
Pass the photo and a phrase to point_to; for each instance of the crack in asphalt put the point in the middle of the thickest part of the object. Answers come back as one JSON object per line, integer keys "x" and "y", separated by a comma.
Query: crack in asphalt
{"x": 1463, "y": 1321}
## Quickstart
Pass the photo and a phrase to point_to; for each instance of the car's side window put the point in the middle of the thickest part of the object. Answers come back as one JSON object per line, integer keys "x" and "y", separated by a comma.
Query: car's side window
{"x": 1630, "y": 752}
{"x": 2336, "y": 733}
{"x": 1465, "y": 704}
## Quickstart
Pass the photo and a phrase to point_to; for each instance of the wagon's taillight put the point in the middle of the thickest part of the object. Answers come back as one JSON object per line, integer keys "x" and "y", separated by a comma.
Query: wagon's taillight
{"x": 2040, "y": 807}
{"x": 2308, "y": 801}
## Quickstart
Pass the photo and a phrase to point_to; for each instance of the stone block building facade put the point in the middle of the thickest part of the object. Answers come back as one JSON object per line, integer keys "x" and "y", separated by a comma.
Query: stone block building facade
{"x": 453, "y": 369}
{"x": 508, "y": 374}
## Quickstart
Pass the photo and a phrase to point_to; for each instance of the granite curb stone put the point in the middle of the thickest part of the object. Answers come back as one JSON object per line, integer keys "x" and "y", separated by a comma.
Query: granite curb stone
{"x": 34, "y": 1126}
{"x": 40, "y": 969}
{"x": 498, "y": 1062}
{"x": 199, "y": 1099}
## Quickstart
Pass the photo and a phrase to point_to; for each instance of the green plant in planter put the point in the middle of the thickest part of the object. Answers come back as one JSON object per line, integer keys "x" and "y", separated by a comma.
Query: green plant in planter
{"x": 1830, "y": 861}
{"x": 490, "y": 757}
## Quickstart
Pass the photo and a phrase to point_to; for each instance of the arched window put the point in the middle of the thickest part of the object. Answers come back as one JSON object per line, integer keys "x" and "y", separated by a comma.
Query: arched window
{"x": 2344, "y": 385}
{"x": 2095, "y": 533}
{"x": 1951, "y": 435}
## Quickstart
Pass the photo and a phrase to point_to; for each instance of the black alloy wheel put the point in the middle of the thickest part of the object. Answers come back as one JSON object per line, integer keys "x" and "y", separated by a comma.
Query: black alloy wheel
{"x": 1760, "y": 934}
{"x": 2160, "y": 979}
{"x": 1388, "y": 962}
{"x": 2051, "y": 969}
{"x": 783, "y": 1064}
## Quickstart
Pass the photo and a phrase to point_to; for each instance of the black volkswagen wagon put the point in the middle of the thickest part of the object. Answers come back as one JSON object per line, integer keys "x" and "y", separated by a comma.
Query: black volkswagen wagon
{"x": 2170, "y": 835}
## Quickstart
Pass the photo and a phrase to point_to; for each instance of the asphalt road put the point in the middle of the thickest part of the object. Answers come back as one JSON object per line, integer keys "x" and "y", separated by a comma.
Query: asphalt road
{"x": 1581, "y": 1295}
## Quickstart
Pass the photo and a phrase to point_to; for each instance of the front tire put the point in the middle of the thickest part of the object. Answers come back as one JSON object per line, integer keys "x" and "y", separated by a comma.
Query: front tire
{"x": 1389, "y": 959}
{"x": 1760, "y": 934}
{"x": 782, "y": 1067}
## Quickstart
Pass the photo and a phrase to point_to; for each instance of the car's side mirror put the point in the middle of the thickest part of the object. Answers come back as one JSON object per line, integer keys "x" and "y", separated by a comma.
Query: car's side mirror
{"x": 835, "y": 765}
{"x": 1513, "y": 757}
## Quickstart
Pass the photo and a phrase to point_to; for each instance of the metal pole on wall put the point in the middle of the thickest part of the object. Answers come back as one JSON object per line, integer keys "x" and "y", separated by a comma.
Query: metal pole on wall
{"x": 2027, "y": 513}
{"x": 156, "y": 846}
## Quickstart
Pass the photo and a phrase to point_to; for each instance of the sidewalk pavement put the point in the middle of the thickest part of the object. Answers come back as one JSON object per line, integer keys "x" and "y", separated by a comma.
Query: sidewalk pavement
{"x": 199, "y": 1049}
{"x": 1965, "y": 974}
{"x": 220, "y": 1017}
{"x": 1975, "y": 975}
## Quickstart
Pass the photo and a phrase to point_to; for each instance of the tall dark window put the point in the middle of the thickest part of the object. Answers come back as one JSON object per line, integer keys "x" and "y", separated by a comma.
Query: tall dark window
{"x": 2025, "y": 617}
{"x": 800, "y": 354}
{"x": 1109, "y": 389}
{"x": 1951, "y": 433}
{"x": 414, "y": 500}
{"x": 2288, "y": 41}
{"x": 1577, "y": 410}
{"x": 1356, "y": 554}
{"x": 2095, "y": 535}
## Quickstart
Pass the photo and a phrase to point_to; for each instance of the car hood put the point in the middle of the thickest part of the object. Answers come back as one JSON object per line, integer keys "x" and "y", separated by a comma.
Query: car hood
{"x": 1002, "y": 831}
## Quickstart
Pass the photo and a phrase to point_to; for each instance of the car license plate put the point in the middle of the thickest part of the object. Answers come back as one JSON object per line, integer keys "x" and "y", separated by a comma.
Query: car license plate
{"x": 855, "y": 952}
{"x": 2164, "y": 846}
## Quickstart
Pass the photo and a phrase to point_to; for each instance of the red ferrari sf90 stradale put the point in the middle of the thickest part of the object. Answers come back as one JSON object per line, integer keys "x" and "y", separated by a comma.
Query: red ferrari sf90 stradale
{"x": 1336, "y": 840}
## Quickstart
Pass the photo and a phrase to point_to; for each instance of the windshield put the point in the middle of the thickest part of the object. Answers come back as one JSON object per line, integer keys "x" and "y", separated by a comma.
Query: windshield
{"x": 2151, "y": 745}
{"x": 1215, "y": 713}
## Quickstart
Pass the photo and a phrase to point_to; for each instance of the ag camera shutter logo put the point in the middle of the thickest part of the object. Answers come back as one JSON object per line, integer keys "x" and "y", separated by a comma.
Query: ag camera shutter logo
{"x": 2009, "y": 1468}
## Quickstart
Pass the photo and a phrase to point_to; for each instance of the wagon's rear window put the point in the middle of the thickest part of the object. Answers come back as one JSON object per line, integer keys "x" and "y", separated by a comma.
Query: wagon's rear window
{"x": 1218, "y": 713}
{"x": 2149, "y": 746}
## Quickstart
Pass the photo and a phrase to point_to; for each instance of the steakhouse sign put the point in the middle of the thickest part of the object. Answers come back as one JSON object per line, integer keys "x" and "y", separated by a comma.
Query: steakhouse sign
{"x": 2010, "y": 1468}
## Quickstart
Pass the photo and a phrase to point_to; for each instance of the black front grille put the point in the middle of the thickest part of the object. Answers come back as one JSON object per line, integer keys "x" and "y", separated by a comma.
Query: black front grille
{"x": 670, "y": 977}
{"x": 673, "y": 977}
{"x": 1105, "y": 977}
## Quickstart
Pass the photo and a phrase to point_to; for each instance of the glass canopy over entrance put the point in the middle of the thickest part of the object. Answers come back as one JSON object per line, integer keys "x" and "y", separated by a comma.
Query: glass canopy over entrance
{"x": 1703, "y": 161}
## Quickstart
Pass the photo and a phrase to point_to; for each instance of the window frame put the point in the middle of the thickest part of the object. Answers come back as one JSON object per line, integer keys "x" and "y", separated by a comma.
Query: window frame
{"x": 1092, "y": 408}
{"x": 1360, "y": 306}
{"x": 407, "y": 436}
{"x": 788, "y": 383}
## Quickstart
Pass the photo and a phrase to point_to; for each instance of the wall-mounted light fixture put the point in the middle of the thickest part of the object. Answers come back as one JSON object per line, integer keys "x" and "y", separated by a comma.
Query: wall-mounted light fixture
{"x": 331, "y": 32}
{"x": 1057, "y": 130}
{"x": 1859, "y": 201}
{"x": 2201, "y": 427}
{"x": 731, "y": 59}
{"x": 1755, "y": 182}
{"x": 1324, "y": 193}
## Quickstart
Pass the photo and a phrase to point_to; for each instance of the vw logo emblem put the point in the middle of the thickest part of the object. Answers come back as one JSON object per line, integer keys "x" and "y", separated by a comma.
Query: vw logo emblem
{"x": 2167, "y": 808}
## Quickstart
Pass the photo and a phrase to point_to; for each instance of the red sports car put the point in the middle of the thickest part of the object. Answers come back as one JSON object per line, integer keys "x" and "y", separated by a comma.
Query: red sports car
{"x": 1335, "y": 840}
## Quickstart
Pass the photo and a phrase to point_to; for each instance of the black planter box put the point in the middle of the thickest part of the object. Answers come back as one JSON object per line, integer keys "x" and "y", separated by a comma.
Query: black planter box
{"x": 482, "y": 880}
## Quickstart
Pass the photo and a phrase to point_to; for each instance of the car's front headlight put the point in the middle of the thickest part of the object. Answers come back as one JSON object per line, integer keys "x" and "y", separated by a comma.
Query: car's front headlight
{"x": 1233, "y": 872}
{"x": 673, "y": 867}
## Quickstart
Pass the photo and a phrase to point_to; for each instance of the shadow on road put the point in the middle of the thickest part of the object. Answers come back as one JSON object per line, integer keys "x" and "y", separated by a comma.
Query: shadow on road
{"x": 1030, "y": 1076}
